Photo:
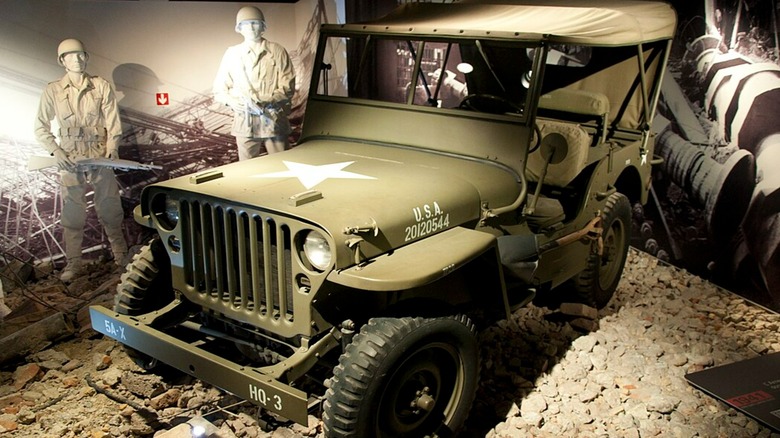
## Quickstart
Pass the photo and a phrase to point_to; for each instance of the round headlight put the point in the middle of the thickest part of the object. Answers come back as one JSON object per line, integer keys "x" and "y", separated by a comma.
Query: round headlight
{"x": 317, "y": 250}
{"x": 167, "y": 211}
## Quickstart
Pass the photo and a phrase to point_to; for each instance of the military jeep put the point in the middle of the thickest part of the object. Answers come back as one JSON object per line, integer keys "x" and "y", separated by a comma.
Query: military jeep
{"x": 457, "y": 161}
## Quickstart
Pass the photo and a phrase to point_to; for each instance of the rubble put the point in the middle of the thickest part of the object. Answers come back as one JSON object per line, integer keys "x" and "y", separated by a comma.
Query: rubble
{"x": 542, "y": 375}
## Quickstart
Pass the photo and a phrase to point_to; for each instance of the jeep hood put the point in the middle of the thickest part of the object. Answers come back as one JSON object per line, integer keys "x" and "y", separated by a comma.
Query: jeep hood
{"x": 408, "y": 193}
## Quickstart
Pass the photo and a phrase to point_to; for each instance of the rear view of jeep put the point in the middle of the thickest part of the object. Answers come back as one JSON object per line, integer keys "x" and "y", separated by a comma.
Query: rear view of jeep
{"x": 457, "y": 161}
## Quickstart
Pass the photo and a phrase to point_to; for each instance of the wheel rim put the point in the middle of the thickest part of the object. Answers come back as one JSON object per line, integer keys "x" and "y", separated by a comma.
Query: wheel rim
{"x": 432, "y": 378}
{"x": 614, "y": 243}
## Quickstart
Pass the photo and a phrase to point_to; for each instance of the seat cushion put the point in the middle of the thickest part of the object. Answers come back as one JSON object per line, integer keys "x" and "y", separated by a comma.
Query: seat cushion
{"x": 560, "y": 174}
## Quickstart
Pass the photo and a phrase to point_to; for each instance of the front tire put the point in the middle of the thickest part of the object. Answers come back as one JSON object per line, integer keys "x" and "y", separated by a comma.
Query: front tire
{"x": 597, "y": 283}
{"x": 404, "y": 377}
{"x": 145, "y": 286}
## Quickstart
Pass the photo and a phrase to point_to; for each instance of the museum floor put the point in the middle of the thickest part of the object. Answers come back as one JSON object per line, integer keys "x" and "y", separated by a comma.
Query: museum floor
{"x": 627, "y": 378}
{"x": 542, "y": 377}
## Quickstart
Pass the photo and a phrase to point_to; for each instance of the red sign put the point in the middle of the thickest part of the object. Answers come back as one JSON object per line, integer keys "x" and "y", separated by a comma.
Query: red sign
{"x": 162, "y": 99}
{"x": 750, "y": 399}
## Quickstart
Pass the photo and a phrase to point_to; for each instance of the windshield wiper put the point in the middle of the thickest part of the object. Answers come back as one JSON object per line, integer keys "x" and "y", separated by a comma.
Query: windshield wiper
{"x": 419, "y": 72}
{"x": 442, "y": 72}
{"x": 362, "y": 64}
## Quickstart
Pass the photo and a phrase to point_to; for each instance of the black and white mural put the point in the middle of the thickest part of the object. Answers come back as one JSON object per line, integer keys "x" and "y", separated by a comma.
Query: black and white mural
{"x": 713, "y": 209}
{"x": 161, "y": 58}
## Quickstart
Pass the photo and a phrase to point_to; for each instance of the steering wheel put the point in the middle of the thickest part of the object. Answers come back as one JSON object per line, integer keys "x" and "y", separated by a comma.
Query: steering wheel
{"x": 489, "y": 103}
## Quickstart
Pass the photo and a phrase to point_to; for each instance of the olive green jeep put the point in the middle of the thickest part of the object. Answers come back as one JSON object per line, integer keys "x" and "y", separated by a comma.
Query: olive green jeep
{"x": 457, "y": 161}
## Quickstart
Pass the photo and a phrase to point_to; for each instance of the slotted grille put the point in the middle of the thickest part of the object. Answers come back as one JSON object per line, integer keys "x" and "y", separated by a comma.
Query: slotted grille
{"x": 238, "y": 261}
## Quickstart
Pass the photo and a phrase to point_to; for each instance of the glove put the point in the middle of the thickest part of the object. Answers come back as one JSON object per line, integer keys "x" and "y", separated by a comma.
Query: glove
{"x": 63, "y": 160}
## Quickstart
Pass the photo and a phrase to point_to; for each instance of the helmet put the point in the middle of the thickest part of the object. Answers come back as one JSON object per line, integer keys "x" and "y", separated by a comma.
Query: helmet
{"x": 67, "y": 46}
{"x": 249, "y": 13}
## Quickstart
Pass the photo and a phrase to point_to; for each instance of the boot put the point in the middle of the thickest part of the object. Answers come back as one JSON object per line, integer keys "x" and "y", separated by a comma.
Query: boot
{"x": 119, "y": 257}
{"x": 72, "y": 269}
{"x": 118, "y": 244}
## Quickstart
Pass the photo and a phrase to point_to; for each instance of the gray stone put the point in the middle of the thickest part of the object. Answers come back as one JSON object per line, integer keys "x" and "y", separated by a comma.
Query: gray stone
{"x": 581, "y": 310}
{"x": 144, "y": 385}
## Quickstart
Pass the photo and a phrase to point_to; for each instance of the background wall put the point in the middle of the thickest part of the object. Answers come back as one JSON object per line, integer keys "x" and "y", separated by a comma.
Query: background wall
{"x": 715, "y": 208}
{"x": 176, "y": 44}
{"x": 143, "y": 48}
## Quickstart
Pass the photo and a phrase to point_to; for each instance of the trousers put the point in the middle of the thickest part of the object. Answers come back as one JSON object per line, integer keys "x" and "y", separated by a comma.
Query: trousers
{"x": 108, "y": 207}
{"x": 251, "y": 147}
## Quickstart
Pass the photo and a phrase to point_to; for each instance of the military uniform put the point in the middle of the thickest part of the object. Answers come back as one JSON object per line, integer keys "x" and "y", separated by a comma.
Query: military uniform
{"x": 248, "y": 75}
{"x": 88, "y": 117}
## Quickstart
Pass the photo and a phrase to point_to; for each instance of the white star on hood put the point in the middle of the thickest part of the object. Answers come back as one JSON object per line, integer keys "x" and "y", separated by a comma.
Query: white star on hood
{"x": 310, "y": 175}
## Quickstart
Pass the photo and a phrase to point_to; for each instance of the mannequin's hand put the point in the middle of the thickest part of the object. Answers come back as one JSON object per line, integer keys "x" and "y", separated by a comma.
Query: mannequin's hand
{"x": 63, "y": 161}
{"x": 238, "y": 103}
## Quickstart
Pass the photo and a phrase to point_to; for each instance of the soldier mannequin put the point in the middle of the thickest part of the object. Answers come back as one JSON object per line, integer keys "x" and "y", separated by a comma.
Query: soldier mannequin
{"x": 257, "y": 80}
{"x": 87, "y": 113}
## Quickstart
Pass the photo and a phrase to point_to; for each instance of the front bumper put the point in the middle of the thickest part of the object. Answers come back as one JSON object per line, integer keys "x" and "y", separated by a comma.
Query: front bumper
{"x": 247, "y": 382}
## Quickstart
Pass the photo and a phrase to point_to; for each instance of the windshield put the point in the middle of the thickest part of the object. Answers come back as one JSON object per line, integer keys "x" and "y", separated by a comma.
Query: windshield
{"x": 470, "y": 75}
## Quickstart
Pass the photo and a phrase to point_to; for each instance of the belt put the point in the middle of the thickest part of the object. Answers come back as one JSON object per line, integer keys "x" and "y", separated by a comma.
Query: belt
{"x": 85, "y": 133}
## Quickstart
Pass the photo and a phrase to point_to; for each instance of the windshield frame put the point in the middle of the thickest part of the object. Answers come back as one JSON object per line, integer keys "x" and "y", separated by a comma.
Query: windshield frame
{"x": 418, "y": 43}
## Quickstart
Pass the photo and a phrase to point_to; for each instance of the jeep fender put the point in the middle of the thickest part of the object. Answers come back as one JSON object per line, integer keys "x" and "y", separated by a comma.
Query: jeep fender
{"x": 424, "y": 263}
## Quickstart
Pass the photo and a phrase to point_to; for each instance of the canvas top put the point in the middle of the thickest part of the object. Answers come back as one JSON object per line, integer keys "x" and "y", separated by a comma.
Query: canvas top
{"x": 585, "y": 22}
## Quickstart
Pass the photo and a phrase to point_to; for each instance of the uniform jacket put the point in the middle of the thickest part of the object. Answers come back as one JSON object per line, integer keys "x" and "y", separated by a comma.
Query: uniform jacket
{"x": 245, "y": 76}
{"x": 88, "y": 117}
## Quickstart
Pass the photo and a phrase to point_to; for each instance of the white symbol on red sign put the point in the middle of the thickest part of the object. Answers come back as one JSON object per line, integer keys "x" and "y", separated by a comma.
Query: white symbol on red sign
{"x": 162, "y": 99}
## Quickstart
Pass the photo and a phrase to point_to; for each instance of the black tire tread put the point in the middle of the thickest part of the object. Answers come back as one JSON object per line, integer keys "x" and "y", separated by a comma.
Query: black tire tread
{"x": 140, "y": 288}
{"x": 353, "y": 375}
{"x": 617, "y": 207}
{"x": 143, "y": 287}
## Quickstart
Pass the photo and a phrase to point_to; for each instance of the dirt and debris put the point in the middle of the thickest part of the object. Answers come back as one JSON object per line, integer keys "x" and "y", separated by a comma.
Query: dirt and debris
{"x": 618, "y": 372}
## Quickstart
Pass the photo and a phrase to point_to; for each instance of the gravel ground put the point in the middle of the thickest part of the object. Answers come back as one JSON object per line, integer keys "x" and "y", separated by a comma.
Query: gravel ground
{"x": 542, "y": 377}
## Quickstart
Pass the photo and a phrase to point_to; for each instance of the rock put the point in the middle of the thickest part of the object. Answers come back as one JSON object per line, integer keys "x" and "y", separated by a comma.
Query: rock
{"x": 584, "y": 324}
{"x": 140, "y": 426}
{"x": 143, "y": 385}
{"x": 101, "y": 361}
{"x": 70, "y": 366}
{"x": 25, "y": 416}
{"x": 8, "y": 425}
{"x": 533, "y": 403}
{"x": 50, "y": 355}
{"x": 310, "y": 430}
{"x": 662, "y": 404}
{"x": 579, "y": 310}
{"x": 584, "y": 343}
{"x": 70, "y": 381}
{"x": 165, "y": 400}
{"x": 25, "y": 374}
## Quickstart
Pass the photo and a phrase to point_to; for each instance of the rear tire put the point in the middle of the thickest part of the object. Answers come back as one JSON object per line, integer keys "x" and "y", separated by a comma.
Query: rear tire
{"x": 145, "y": 287}
{"x": 596, "y": 284}
{"x": 404, "y": 377}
